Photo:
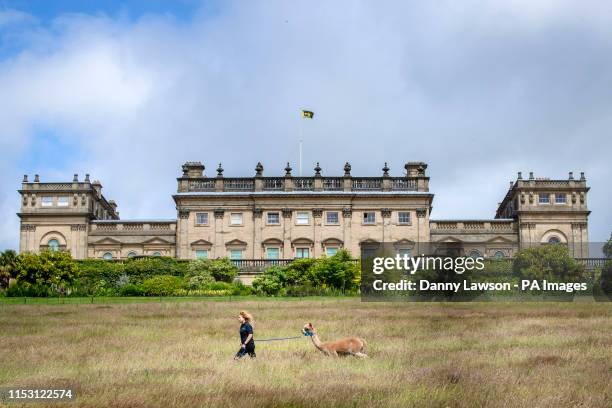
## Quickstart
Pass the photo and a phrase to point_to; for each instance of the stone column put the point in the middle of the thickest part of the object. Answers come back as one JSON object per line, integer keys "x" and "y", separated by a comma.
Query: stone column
{"x": 219, "y": 245}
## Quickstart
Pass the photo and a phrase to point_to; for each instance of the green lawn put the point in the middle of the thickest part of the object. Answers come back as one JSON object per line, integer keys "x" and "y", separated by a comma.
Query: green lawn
{"x": 178, "y": 352}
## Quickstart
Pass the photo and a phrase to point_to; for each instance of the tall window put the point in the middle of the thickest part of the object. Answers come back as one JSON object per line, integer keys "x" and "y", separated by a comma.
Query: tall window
{"x": 404, "y": 251}
{"x": 302, "y": 218}
{"x": 62, "y": 201}
{"x": 108, "y": 256}
{"x": 53, "y": 245}
{"x": 236, "y": 219}
{"x": 272, "y": 253}
{"x": 560, "y": 198}
{"x": 331, "y": 251}
{"x": 302, "y": 252}
{"x": 273, "y": 218}
{"x": 156, "y": 253}
{"x": 369, "y": 217}
{"x": 236, "y": 254}
{"x": 554, "y": 240}
{"x": 46, "y": 201}
{"x": 543, "y": 198}
{"x": 201, "y": 253}
{"x": 474, "y": 254}
{"x": 403, "y": 217}
{"x": 332, "y": 218}
{"x": 131, "y": 254}
{"x": 201, "y": 218}
{"x": 499, "y": 255}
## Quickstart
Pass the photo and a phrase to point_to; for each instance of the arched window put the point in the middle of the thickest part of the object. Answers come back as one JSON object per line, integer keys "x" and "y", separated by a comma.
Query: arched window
{"x": 156, "y": 253}
{"x": 499, "y": 255}
{"x": 131, "y": 254}
{"x": 554, "y": 240}
{"x": 474, "y": 254}
{"x": 53, "y": 245}
{"x": 107, "y": 256}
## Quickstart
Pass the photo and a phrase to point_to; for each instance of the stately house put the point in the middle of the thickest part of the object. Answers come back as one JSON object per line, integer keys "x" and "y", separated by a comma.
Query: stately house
{"x": 260, "y": 217}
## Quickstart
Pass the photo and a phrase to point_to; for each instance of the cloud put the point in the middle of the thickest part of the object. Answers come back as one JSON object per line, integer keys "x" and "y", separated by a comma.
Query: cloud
{"x": 479, "y": 90}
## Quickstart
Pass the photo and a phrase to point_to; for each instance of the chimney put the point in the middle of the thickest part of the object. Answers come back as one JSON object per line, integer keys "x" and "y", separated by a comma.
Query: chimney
{"x": 582, "y": 178}
{"x": 193, "y": 170}
{"x": 571, "y": 175}
{"x": 25, "y": 178}
{"x": 36, "y": 178}
{"x": 520, "y": 175}
{"x": 87, "y": 178}
{"x": 75, "y": 179}
{"x": 531, "y": 175}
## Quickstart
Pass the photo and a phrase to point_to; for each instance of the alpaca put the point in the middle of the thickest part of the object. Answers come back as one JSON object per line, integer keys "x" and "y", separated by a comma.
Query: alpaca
{"x": 353, "y": 346}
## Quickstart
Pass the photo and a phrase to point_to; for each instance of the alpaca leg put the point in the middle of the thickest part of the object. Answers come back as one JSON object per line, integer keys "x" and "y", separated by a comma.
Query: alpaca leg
{"x": 361, "y": 355}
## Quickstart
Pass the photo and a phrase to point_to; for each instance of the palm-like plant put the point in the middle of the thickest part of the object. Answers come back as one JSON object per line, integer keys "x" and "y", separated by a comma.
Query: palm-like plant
{"x": 8, "y": 260}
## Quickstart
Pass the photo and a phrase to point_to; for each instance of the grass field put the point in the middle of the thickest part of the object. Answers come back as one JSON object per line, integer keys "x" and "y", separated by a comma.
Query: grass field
{"x": 172, "y": 354}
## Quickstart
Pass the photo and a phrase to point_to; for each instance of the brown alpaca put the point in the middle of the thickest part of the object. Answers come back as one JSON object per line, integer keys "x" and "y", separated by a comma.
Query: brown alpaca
{"x": 353, "y": 346}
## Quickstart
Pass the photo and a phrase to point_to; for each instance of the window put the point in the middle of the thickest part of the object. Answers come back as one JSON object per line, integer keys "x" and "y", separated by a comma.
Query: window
{"x": 499, "y": 255}
{"x": 273, "y": 218}
{"x": 201, "y": 218}
{"x": 201, "y": 253}
{"x": 107, "y": 256}
{"x": 302, "y": 252}
{"x": 236, "y": 254}
{"x": 475, "y": 254}
{"x": 272, "y": 253}
{"x": 53, "y": 245}
{"x": 302, "y": 218}
{"x": 156, "y": 253}
{"x": 46, "y": 201}
{"x": 331, "y": 251}
{"x": 369, "y": 217}
{"x": 554, "y": 240}
{"x": 543, "y": 199}
{"x": 332, "y": 218}
{"x": 131, "y": 254}
{"x": 62, "y": 201}
{"x": 560, "y": 198}
{"x": 404, "y": 251}
{"x": 403, "y": 217}
{"x": 236, "y": 219}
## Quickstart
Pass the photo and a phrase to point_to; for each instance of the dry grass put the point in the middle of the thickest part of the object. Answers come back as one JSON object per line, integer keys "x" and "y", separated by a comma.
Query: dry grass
{"x": 432, "y": 355}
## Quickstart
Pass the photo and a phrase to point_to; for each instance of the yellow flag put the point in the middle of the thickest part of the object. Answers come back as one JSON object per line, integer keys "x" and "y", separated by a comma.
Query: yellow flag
{"x": 307, "y": 114}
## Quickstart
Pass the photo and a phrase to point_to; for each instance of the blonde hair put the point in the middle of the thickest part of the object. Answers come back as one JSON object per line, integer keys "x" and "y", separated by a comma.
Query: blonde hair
{"x": 246, "y": 316}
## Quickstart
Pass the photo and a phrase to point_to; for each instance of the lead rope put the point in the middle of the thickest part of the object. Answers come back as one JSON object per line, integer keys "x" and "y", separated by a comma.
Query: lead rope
{"x": 307, "y": 334}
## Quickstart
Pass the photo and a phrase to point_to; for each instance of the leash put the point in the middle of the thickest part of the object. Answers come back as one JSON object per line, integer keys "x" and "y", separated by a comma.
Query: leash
{"x": 307, "y": 334}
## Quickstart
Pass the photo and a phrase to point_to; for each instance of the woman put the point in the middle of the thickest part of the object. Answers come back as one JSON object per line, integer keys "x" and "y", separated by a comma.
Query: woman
{"x": 247, "y": 344}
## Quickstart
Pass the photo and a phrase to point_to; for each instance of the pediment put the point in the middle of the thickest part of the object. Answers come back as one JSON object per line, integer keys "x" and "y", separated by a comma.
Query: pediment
{"x": 500, "y": 240}
{"x": 449, "y": 240}
{"x": 107, "y": 241}
{"x": 302, "y": 241}
{"x": 157, "y": 241}
{"x": 272, "y": 241}
{"x": 332, "y": 241}
{"x": 236, "y": 243}
{"x": 201, "y": 242}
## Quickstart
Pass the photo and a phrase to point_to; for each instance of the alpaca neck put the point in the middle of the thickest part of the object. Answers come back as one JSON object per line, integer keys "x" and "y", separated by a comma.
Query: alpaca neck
{"x": 316, "y": 341}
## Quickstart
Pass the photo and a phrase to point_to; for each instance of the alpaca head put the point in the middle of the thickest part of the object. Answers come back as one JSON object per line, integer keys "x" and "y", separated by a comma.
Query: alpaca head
{"x": 308, "y": 329}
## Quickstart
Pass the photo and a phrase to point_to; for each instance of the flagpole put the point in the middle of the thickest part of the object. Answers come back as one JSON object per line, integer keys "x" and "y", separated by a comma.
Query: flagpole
{"x": 300, "y": 149}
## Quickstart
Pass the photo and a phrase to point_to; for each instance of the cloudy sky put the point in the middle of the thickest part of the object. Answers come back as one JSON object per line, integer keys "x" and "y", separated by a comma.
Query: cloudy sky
{"x": 479, "y": 90}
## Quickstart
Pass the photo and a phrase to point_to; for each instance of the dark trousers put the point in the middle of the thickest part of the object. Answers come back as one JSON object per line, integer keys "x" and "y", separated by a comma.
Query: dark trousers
{"x": 248, "y": 349}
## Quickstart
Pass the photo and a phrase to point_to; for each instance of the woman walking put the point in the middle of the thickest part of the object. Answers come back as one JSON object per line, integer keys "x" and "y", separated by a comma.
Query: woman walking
{"x": 247, "y": 344}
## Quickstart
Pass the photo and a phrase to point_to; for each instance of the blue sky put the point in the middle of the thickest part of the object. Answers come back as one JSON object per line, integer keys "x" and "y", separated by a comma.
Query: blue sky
{"x": 128, "y": 91}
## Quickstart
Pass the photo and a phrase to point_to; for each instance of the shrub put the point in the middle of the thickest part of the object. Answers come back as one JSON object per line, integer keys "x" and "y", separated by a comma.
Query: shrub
{"x": 199, "y": 274}
{"x": 54, "y": 270}
{"x": 223, "y": 270}
{"x": 550, "y": 261}
{"x": 162, "y": 285}
{"x": 131, "y": 290}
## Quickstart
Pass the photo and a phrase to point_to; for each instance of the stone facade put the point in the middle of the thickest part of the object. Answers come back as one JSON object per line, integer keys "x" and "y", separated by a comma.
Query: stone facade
{"x": 288, "y": 216}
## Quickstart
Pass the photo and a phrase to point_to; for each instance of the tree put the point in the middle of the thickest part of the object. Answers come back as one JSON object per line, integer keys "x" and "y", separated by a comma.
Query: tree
{"x": 223, "y": 270}
{"x": 8, "y": 260}
{"x": 550, "y": 261}
{"x": 52, "y": 269}
{"x": 607, "y": 249}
